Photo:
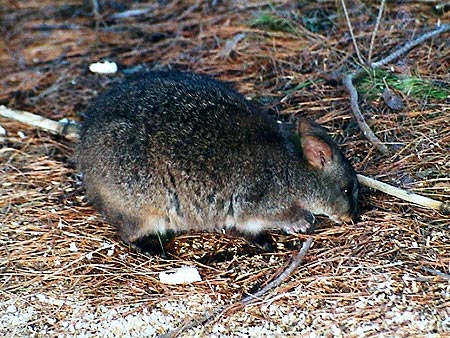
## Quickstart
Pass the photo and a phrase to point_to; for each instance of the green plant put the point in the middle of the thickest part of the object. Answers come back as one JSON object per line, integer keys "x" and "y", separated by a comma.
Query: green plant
{"x": 373, "y": 82}
{"x": 272, "y": 22}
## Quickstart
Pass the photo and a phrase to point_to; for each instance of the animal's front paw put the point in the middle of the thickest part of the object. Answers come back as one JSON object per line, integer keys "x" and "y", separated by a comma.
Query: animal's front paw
{"x": 301, "y": 225}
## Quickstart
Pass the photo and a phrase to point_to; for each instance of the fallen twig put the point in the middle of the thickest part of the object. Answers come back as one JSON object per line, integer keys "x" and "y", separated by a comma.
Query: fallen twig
{"x": 347, "y": 80}
{"x": 375, "y": 30}
{"x": 283, "y": 276}
{"x": 409, "y": 45}
{"x": 360, "y": 118}
{"x": 297, "y": 259}
{"x": 423, "y": 201}
{"x": 68, "y": 130}
{"x": 350, "y": 28}
{"x": 436, "y": 272}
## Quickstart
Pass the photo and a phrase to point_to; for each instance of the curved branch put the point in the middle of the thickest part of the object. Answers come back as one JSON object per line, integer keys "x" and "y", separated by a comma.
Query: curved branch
{"x": 360, "y": 118}
{"x": 247, "y": 300}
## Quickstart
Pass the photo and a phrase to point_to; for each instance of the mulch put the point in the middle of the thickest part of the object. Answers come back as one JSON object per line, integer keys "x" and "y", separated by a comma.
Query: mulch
{"x": 53, "y": 242}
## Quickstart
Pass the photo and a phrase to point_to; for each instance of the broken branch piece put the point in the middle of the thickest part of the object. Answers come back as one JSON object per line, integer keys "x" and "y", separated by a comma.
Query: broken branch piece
{"x": 423, "y": 201}
{"x": 296, "y": 260}
{"x": 359, "y": 116}
{"x": 68, "y": 130}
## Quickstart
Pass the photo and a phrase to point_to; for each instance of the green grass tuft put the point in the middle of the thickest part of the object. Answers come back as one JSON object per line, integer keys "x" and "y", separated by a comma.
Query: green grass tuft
{"x": 271, "y": 22}
{"x": 373, "y": 82}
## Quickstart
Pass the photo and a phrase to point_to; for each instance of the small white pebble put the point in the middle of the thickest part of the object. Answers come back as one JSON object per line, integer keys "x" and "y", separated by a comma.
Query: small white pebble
{"x": 21, "y": 134}
{"x": 2, "y": 131}
{"x": 41, "y": 298}
{"x": 11, "y": 309}
{"x": 183, "y": 275}
{"x": 106, "y": 245}
{"x": 105, "y": 67}
{"x": 73, "y": 247}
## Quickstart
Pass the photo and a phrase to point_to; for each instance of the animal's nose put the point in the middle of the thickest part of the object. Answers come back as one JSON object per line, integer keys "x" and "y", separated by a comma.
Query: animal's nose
{"x": 346, "y": 219}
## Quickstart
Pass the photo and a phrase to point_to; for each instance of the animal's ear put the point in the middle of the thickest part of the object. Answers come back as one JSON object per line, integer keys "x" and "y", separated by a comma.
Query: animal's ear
{"x": 317, "y": 152}
{"x": 304, "y": 126}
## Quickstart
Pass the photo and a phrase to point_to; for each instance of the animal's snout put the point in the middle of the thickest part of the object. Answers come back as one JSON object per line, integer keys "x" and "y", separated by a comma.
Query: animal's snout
{"x": 346, "y": 219}
{"x": 343, "y": 218}
{"x": 351, "y": 217}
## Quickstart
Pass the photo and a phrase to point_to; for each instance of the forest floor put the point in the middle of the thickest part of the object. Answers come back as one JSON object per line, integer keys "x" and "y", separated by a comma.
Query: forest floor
{"x": 63, "y": 270}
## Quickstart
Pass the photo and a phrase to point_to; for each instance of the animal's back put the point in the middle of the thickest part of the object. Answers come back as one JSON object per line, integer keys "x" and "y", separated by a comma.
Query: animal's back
{"x": 183, "y": 148}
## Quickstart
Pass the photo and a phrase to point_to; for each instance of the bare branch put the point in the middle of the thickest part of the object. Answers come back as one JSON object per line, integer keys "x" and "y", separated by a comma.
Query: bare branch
{"x": 350, "y": 28}
{"x": 297, "y": 259}
{"x": 409, "y": 45}
{"x": 375, "y": 30}
{"x": 436, "y": 272}
{"x": 283, "y": 276}
{"x": 360, "y": 118}
{"x": 354, "y": 94}
{"x": 443, "y": 207}
{"x": 69, "y": 130}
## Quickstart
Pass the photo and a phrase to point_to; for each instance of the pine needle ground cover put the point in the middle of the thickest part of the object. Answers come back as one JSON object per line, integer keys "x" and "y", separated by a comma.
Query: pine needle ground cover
{"x": 64, "y": 271}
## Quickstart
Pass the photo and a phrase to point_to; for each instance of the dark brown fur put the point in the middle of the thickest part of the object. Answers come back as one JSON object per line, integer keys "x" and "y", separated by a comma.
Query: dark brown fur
{"x": 170, "y": 151}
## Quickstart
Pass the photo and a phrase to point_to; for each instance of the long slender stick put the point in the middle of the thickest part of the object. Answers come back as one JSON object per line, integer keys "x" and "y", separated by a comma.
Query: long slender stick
{"x": 250, "y": 298}
{"x": 423, "y": 201}
{"x": 354, "y": 94}
{"x": 283, "y": 276}
{"x": 368, "y": 133}
{"x": 350, "y": 28}
{"x": 375, "y": 30}
{"x": 409, "y": 45}
{"x": 68, "y": 130}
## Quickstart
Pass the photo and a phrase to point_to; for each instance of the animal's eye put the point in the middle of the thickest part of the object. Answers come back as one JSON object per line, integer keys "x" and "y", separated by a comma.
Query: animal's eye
{"x": 347, "y": 190}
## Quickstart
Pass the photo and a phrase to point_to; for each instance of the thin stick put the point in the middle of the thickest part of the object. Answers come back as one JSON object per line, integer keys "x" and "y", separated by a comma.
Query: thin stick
{"x": 375, "y": 30}
{"x": 443, "y": 207}
{"x": 247, "y": 300}
{"x": 409, "y": 45}
{"x": 283, "y": 276}
{"x": 436, "y": 272}
{"x": 68, "y": 130}
{"x": 368, "y": 133}
{"x": 350, "y": 28}
{"x": 96, "y": 12}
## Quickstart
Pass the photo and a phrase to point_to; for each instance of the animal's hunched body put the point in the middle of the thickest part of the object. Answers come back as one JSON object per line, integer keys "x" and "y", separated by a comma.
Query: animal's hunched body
{"x": 172, "y": 151}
